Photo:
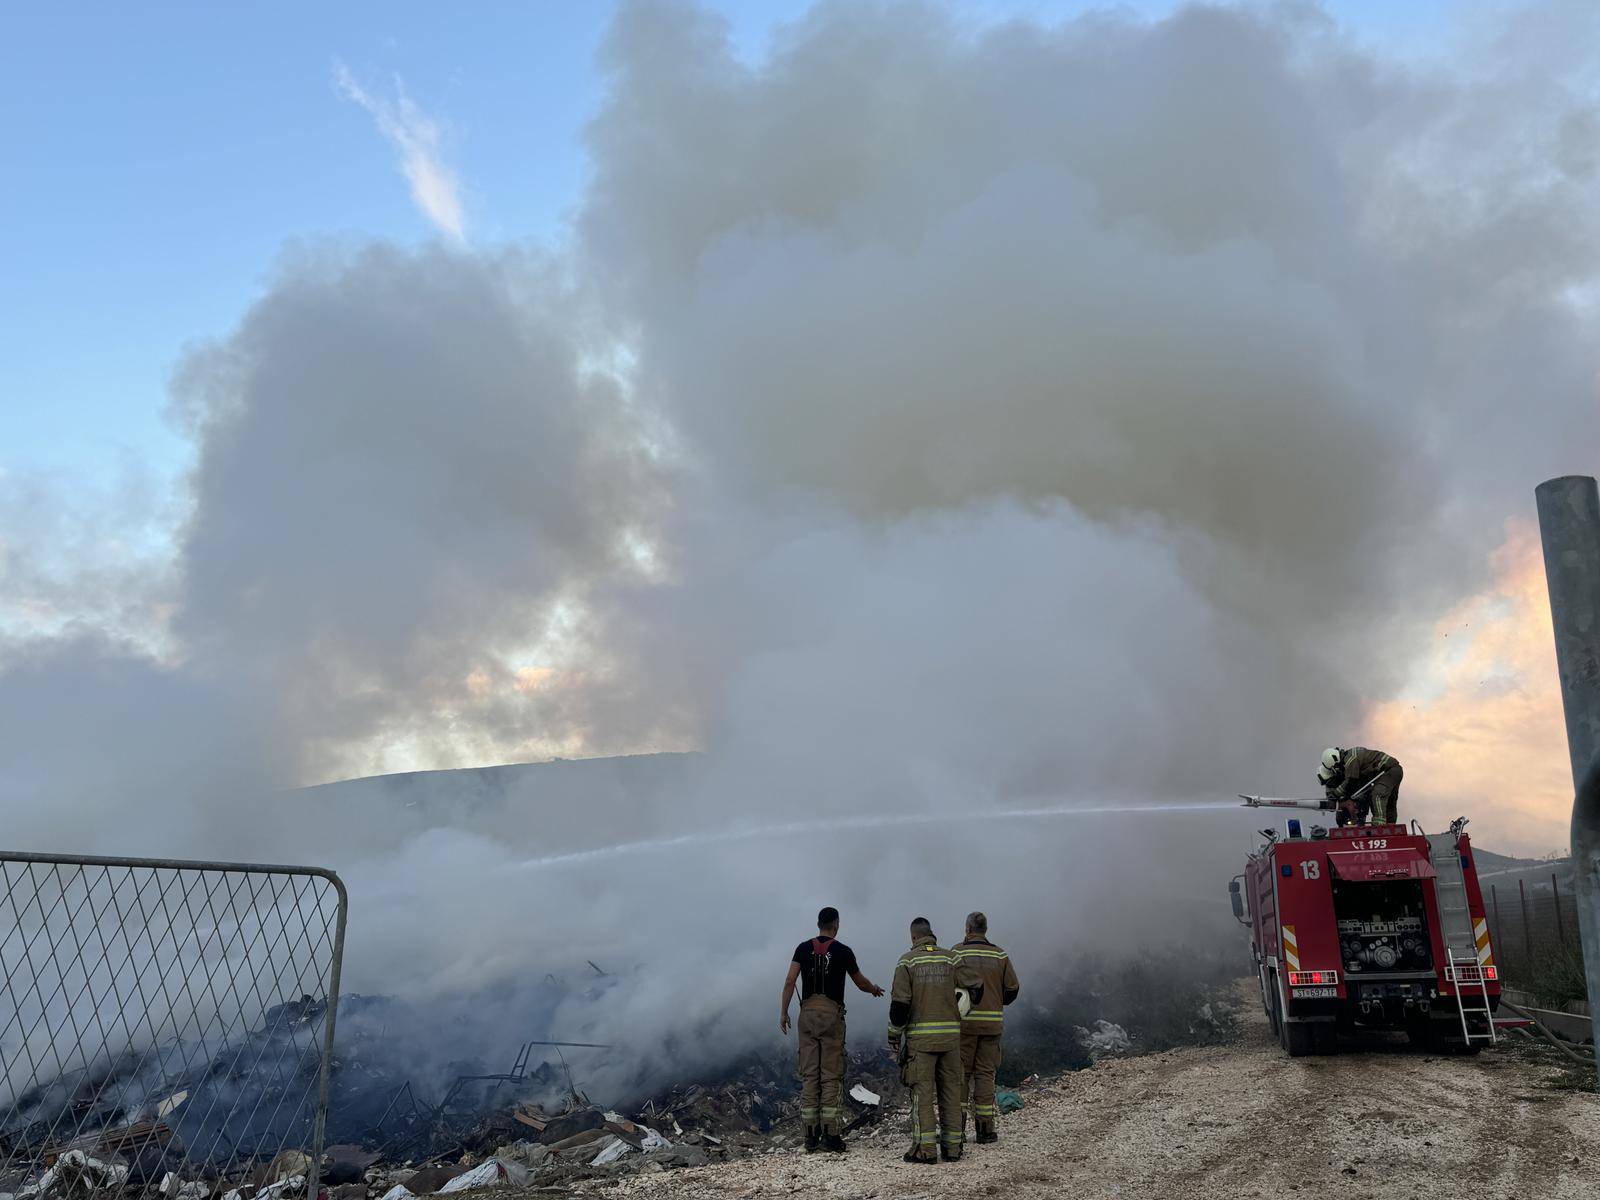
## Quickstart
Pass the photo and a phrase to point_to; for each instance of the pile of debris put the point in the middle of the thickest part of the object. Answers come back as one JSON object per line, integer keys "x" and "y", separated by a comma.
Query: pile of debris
{"x": 759, "y": 1097}
{"x": 582, "y": 1141}
{"x": 160, "y": 1130}
{"x": 578, "y": 1143}
{"x": 752, "y": 1108}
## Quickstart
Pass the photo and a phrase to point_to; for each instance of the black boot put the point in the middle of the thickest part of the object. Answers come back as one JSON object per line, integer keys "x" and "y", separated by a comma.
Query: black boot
{"x": 917, "y": 1156}
{"x": 813, "y": 1138}
{"x": 949, "y": 1155}
{"x": 987, "y": 1136}
{"x": 834, "y": 1142}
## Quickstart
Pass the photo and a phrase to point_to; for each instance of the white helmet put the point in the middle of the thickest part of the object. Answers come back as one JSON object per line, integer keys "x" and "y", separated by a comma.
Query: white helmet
{"x": 963, "y": 1002}
{"x": 1332, "y": 766}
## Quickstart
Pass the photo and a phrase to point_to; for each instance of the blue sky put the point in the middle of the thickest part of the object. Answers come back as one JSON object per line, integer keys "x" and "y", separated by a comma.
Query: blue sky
{"x": 159, "y": 157}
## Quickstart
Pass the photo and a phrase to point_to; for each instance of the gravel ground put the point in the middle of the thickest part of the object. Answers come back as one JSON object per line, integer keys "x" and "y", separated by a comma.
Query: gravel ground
{"x": 1379, "y": 1120}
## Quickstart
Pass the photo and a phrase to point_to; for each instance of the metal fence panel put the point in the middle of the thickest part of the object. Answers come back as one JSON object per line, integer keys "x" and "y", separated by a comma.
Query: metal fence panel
{"x": 165, "y": 1025}
{"x": 1532, "y": 929}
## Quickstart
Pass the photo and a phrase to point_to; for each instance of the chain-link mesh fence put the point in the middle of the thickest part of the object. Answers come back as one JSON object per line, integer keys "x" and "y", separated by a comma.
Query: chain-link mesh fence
{"x": 1534, "y": 927}
{"x": 165, "y": 1027}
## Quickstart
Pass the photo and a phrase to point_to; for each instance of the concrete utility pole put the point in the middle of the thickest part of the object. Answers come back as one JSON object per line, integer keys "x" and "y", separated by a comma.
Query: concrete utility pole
{"x": 1569, "y": 525}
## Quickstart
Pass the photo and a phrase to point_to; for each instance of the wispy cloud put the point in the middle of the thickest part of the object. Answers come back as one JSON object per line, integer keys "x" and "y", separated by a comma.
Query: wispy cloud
{"x": 434, "y": 187}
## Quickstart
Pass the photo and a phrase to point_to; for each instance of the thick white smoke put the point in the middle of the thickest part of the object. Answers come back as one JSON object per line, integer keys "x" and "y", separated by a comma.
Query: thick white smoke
{"x": 925, "y": 418}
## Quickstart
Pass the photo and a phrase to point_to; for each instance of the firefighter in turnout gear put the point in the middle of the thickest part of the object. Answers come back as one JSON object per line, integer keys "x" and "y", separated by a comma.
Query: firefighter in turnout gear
{"x": 982, "y": 1027}
{"x": 925, "y": 1033}
{"x": 1361, "y": 781}
{"x": 820, "y": 966}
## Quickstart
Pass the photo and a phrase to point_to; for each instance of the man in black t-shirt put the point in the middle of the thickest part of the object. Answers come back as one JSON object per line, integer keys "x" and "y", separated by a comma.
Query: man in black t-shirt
{"x": 821, "y": 965}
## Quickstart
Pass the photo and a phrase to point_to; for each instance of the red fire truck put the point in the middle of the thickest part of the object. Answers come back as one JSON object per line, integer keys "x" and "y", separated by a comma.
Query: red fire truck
{"x": 1375, "y": 926}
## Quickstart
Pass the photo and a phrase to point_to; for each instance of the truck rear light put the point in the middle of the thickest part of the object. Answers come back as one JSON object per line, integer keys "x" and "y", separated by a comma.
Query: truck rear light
{"x": 1312, "y": 978}
{"x": 1472, "y": 973}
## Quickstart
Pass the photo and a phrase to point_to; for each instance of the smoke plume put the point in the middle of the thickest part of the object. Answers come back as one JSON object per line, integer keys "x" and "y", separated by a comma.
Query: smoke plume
{"x": 928, "y": 417}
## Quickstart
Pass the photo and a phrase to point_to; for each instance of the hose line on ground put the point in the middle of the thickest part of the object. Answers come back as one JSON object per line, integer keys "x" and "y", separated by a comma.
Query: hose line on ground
{"x": 1572, "y": 1052}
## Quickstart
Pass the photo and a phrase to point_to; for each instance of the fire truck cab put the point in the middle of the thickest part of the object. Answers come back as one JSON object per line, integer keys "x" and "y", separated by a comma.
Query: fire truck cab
{"x": 1375, "y": 926}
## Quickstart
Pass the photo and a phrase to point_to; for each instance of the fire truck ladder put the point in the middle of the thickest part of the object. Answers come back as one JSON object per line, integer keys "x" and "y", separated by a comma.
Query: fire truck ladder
{"x": 1460, "y": 945}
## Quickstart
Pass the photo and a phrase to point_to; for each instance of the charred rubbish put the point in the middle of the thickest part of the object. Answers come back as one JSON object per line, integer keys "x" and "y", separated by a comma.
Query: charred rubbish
{"x": 169, "y": 1122}
{"x": 405, "y": 1119}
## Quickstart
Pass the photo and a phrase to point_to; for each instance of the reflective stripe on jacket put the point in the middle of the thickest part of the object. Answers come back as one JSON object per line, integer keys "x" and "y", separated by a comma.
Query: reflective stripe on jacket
{"x": 999, "y": 981}
{"x": 925, "y": 982}
{"x": 1361, "y": 766}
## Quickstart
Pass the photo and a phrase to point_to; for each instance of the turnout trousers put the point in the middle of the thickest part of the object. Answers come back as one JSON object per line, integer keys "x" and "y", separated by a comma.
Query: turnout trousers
{"x": 980, "y": 1059}
{"x": 936, "y": 1117}
{"x": 1385, "y": 796}
{"x": 821, "y": 1038}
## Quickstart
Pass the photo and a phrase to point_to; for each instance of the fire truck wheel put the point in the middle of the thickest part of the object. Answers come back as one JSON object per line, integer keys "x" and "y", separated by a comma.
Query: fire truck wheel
{"x": 1326, "y": 1037}
{"x": 1299, "y": 1038}
{"x": 1296, "y": 1037}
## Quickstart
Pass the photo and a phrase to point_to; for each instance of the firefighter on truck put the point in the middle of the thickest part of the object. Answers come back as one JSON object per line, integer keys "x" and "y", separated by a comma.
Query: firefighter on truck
{"x": 1361, "y": 782}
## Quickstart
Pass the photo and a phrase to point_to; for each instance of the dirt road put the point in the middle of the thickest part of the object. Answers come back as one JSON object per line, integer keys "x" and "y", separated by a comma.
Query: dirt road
{"x": 1225, "y": 1122}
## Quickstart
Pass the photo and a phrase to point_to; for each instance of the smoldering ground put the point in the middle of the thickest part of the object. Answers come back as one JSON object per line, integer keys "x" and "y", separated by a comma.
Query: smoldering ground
{"x": 927, "y": 417}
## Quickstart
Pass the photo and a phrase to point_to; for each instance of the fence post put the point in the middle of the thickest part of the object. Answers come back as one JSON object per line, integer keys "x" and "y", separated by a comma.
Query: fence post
{"x": 319, "y": 1118}
{"x": 1569, "y": 529}
{"x": 1561, "y": 924}
{"x": 1499, "y": 925}
{"x": 1527, "y": 933}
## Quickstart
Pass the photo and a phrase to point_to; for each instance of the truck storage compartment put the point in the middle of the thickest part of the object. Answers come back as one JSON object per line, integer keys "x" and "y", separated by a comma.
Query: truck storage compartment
{"x": 1383, "y": 927}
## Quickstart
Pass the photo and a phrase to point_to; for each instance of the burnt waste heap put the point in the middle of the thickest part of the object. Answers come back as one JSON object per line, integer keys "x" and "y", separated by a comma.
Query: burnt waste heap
{"x": 404, "y": 1118}
{"x": 233, "y": 1127}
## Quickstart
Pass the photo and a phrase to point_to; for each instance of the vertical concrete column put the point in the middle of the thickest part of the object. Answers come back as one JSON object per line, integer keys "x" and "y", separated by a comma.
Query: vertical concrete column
{"x": 1569, "y": 525}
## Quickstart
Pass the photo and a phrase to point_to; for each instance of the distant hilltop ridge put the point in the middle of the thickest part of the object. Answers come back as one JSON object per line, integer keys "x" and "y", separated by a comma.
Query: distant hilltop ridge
{"x": 566, "y": 803}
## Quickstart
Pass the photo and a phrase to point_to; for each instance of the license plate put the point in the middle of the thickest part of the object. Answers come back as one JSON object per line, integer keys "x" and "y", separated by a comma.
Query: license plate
{"x": 1319, "y": 993}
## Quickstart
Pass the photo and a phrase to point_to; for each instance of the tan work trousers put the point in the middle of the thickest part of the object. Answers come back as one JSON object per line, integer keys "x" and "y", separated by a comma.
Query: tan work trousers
{"x": 980, "y": 1059}
{"x": 935, "y": 1085}
{"x": 821, "y": 1037}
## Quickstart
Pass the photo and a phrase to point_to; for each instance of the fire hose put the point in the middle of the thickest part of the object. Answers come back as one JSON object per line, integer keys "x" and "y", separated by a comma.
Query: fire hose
{"x": 1572, "y": 1052}
{"x": 1325, "y": 805}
